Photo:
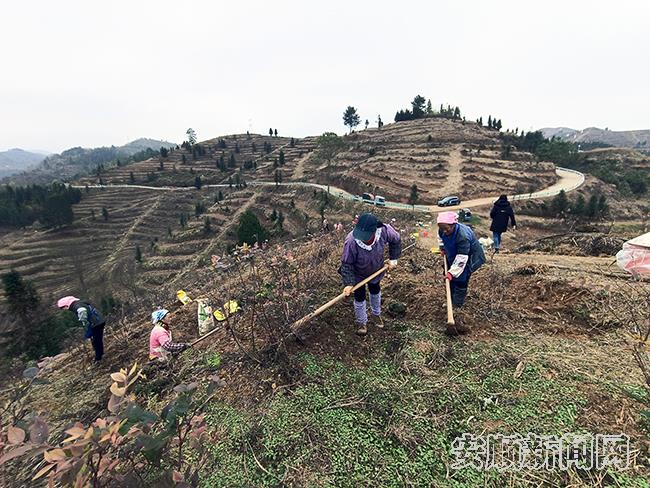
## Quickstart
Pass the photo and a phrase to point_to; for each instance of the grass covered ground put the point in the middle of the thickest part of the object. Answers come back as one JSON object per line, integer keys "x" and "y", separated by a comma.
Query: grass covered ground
{"x": 388, "y": 415}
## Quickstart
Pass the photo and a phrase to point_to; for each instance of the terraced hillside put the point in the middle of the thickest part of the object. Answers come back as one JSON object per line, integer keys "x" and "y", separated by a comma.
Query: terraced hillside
{"x": 85, "y": 256}
{"x": 215, "y": 161}
{"x": 440, "y": 156}
{"x": 95, "y": 256}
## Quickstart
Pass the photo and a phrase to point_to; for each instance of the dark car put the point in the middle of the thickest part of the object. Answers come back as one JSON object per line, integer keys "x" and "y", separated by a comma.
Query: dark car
{"x": 449, "y": 201}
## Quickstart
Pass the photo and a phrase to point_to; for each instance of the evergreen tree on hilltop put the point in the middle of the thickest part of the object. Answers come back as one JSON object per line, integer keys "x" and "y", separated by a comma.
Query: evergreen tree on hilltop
{"x": 418, "y": 107}
{"x": 351, "y": 118}
{"x": 191, "y": 136}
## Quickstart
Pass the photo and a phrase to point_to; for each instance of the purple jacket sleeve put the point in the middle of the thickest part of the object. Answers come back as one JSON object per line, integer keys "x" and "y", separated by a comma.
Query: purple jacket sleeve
{"x": 394, "y": 242}
{"x": 347, "y": 262}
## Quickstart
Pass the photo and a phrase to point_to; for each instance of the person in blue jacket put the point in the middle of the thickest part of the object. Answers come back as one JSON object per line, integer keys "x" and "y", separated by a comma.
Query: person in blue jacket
{"x": 464, "y": 255}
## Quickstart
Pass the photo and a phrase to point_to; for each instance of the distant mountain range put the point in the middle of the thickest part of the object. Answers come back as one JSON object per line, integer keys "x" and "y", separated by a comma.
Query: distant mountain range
{"x": 77, "y": 161}
{"x": 17, "y": 160}
{"x": 636, "y": 139}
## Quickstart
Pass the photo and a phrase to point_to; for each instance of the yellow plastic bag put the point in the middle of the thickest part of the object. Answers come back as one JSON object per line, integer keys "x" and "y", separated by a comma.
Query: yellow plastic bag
{"x": 229, "y": 308}
{"x": 183, "y": 297}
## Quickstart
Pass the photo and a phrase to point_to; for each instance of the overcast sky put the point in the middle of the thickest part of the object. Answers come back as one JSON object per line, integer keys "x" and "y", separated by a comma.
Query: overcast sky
{"x": 89, "y": 73}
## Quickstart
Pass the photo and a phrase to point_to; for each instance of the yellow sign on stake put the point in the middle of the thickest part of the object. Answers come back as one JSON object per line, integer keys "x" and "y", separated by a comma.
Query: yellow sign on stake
{"x": 183, "y": 297}
{"x": 229, "y": 308}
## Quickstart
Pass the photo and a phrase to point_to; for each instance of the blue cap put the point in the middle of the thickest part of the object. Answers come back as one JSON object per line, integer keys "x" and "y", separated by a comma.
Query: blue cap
{"x": 366, "y": 227}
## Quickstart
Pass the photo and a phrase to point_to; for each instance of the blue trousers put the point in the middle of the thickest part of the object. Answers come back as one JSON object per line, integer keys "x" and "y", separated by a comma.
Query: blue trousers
{"x": 496, "y": 237}
{"x": 458, "y": 292}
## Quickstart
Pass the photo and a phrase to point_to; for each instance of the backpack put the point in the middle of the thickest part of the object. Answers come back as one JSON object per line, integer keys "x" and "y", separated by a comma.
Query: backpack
{"x": 94, "y": 317}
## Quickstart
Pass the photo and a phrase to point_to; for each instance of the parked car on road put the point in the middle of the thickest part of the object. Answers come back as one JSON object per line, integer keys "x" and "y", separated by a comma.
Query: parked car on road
{"x": 371, "y": 199}
{"x": 449, "y": 201}
{"x": 464, "y": 215}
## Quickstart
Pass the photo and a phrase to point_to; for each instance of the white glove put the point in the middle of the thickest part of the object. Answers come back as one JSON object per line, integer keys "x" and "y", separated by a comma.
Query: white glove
{"x": 392, "y": 263}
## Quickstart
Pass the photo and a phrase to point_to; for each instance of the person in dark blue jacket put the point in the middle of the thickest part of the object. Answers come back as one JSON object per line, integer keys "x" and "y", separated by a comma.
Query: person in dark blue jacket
{"x": 500, "y": 214}
{"x": 464, "y": 255}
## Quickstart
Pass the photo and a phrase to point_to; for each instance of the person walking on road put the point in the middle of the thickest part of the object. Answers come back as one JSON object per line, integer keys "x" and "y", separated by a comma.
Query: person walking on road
{"x": 500, "y": 214}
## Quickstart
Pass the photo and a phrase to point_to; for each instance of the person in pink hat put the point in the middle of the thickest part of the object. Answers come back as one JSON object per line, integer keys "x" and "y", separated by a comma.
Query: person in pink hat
{"x": 464, "y": 255}
{"x": 90, "y": 318}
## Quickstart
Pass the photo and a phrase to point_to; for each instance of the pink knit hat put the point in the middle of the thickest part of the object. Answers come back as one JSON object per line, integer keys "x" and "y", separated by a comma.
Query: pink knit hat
{"x": 65, "y": 302}
{"x": 447, "y": 218}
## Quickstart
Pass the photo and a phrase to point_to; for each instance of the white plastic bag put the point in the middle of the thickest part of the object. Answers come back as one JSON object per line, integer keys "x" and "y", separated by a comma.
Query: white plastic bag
{"x": 635, "y": 256}
{"x": 204, "y": 315}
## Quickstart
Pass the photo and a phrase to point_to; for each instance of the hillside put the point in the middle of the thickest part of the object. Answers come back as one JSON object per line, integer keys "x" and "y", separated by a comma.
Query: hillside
{"x": 16, "y": 160}
{"x": 335, "y": 410}
{"x": 76, "y": 162}
{"x": 638, "y": 139}
{"x": 441, "y": 156}
{"x": 552, "y": 320}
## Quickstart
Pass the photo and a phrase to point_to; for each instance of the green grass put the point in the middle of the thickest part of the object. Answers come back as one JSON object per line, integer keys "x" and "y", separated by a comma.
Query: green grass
{"x": 391, "y": 421}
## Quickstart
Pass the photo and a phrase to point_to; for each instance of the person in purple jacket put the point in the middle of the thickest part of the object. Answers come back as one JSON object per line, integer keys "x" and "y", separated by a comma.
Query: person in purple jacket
{"x": 363, "y": 255}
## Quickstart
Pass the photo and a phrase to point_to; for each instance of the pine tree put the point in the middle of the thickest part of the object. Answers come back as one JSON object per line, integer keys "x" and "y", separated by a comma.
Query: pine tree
{"x": 579, "y": 205}
{"x": 429, "y": 108}
{"x": 104, "y": 213}
{"x": 490, "y": 121}
{"x": 603, "y": 207}
{"x": 270, "y": 132}
{"x": 138, "y": 253}
{"x": 367, "y": 123}
{"x": 275, "y": 132}
{"x": 191, "y": 136}
{"x": 281, "y": 160}
{"x": 250, "y": 229}
{"x": 351, "y": 117}
{"x": 559, "y": 204}
{"x": 207, "y": 225}
{"x": 21, "y": 295}
{"x": 292, "y": 143}
{"x": 197, "y": 182}
{"x": 592, "y": 206}
{"x": 279, "y": 221}
{"x": 183, "y": 159}
{"x": 413, "y": 198}
{"x": 274, "y": 215}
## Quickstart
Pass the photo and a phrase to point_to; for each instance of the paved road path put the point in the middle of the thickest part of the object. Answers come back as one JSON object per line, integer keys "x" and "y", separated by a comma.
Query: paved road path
{"x": 569, "y": 180}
